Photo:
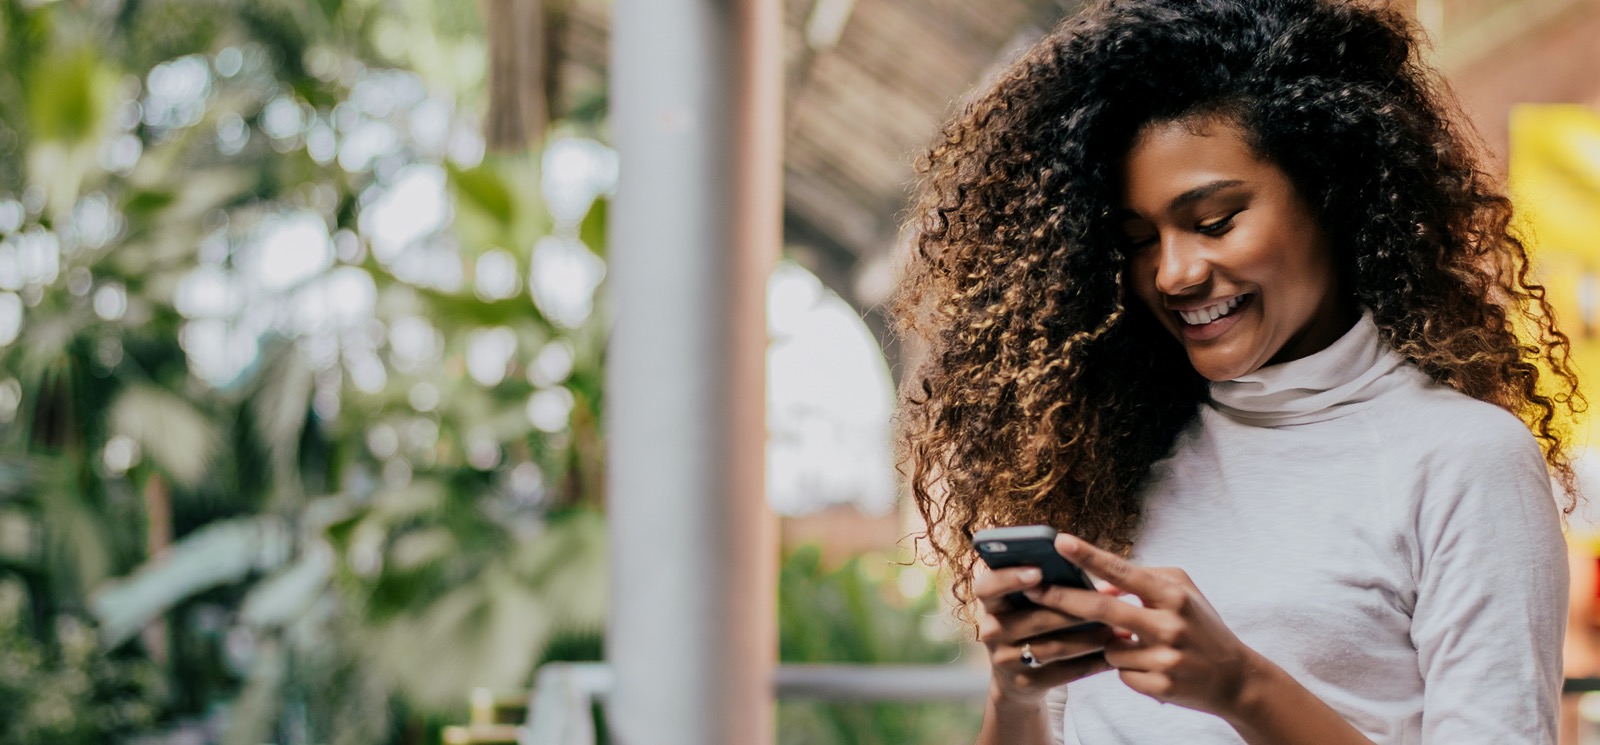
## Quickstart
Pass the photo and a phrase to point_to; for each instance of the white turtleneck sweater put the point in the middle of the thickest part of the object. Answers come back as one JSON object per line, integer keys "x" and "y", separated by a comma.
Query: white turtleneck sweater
{"x": 1388, "y": 541}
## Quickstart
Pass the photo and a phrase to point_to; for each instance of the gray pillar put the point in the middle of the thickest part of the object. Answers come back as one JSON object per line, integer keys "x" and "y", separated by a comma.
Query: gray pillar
{"x": 695, "y": 227}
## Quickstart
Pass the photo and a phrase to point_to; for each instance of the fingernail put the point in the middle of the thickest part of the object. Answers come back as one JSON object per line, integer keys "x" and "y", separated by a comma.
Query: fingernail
{"x": 1034, "y": 593}
{"x": 1065, "y": 542}
{"x": 1029, "y": 575}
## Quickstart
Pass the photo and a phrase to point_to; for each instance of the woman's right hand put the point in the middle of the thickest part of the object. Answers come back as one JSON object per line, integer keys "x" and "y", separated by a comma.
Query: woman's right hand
{"x": 1062, "y": 656}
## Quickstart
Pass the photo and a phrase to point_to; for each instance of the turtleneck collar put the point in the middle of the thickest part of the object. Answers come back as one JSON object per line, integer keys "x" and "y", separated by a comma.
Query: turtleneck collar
{"x": 1338, "y": 380}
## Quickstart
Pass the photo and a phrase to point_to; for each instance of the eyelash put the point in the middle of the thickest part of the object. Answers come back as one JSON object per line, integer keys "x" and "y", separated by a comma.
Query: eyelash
{"x": 1212, "y": 229}
{"x": 1218, "y": 227}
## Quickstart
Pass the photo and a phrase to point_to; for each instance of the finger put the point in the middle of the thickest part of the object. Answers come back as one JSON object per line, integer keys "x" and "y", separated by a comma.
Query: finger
{"x": 1154, "y": 588}
{"x": 1068, "y": 645}
{"x": 991, "y": 586}
{"x": 1053, "y": 674}
{"x": 1094, "y": 606}
{"x": 1107, "y": 588}
{"x": 1128, "y": 656}
{"x": 986, "y": 581}
{"x": 1011, "y": 626}
{"x": 1155, "y": 685}
{"x": 1019, "y": 625}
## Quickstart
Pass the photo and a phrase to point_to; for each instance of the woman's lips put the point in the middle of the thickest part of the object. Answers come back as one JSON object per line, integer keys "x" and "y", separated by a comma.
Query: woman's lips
{"x": 1214, "y": 329}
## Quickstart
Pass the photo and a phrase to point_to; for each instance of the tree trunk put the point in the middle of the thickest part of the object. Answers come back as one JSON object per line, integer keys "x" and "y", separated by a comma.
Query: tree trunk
{"x": 519, "y": 107}
{"x": 158, "y": 538}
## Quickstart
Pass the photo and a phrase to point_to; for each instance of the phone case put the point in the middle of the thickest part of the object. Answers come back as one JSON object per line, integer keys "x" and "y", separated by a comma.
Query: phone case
{"x": 1030, "y": 545}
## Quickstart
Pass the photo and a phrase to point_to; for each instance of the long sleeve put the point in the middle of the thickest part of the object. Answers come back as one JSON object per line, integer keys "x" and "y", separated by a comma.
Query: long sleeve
{"x": 1055, "y": 703}
{"x": 1388, "y": 541}
{"x": 1490, "y": 612}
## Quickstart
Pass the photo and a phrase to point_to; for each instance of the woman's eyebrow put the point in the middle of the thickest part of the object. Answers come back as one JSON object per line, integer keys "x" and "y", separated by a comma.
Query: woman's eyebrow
{"x": 1200, "y": 192}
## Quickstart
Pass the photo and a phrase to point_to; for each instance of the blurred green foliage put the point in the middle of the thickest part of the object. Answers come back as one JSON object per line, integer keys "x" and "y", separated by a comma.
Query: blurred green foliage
{"x": 366, "y": 519}
{"x": 70, "y": 692}
{"x": 868, "y": 610}
{"x": 213, "y": 329}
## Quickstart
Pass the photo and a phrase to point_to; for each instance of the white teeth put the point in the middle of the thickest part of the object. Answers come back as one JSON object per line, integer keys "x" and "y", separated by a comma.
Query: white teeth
{"x": 1210, "y": 313}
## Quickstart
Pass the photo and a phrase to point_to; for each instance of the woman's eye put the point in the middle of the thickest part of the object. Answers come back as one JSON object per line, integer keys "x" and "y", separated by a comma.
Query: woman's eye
{"x": 1216, "y": 227}
{"x": 1135, "y": 244}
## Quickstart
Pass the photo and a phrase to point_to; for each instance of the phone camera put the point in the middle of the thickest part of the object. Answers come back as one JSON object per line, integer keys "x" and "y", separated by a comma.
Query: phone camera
{"x": 994, "y": 547}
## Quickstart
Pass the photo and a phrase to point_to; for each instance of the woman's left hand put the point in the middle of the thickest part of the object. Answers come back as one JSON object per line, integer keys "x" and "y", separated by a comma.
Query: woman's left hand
{"x": 1174, "y": 649}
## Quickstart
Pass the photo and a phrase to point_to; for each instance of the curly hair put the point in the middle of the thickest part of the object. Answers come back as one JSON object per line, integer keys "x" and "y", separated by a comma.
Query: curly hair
{"x": 1045, "y": 395}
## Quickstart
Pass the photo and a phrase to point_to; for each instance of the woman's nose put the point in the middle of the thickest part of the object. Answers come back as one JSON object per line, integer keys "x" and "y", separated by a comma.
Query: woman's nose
{"x": 1182, "y": 267}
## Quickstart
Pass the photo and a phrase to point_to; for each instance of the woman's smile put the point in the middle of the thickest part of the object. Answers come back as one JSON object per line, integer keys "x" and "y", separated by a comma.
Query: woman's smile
{"x": 1212, "y": 321}
{"x": 1224, "y": 251}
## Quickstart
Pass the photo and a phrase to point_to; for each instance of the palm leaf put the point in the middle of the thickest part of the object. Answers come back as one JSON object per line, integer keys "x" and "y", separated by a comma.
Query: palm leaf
{"x": 79, "y": 537}
{"x": 566, "y": 566}
{"x": 17, "y": 474}
{"x": 484, "y": 634}
{"x": 250, "y": 718}
{"x": 281, "y": 405}
{"x": 280, "y": 599}
{"x": 220, "y": 553}
{"x": 180, "y": 440}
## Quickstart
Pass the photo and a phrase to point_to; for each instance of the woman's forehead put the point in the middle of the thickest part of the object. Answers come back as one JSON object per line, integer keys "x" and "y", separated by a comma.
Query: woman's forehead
{"x": 1176, "y": 163}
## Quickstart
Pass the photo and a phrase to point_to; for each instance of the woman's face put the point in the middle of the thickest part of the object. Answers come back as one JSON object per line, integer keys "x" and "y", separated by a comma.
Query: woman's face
{"x": 1225, "y": 252}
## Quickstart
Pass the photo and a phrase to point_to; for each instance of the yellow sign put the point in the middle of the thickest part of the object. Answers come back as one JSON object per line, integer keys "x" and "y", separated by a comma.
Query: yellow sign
{"x": 1555, "y": 181}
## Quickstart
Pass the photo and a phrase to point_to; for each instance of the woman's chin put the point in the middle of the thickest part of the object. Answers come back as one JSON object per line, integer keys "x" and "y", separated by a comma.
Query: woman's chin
{"x": 1216, "y": 365}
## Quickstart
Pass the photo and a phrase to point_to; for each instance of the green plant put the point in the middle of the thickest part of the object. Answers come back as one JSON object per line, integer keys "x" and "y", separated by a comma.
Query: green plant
{"x": 68, "y": 692}
{"x": 868, "y": 610}
{"x": 272, "y": 528}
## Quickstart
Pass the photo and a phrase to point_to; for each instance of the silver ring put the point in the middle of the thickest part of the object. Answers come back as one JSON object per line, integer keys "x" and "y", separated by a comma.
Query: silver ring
{"x": 1028, "y": 658}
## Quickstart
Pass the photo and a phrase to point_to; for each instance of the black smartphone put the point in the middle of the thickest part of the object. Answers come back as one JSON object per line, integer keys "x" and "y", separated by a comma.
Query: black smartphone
{"x": 1031, "y": 545}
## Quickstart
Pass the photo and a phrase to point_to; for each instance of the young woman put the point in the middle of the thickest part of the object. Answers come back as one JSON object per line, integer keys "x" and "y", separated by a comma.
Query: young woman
{"x": 1219, "y": 289}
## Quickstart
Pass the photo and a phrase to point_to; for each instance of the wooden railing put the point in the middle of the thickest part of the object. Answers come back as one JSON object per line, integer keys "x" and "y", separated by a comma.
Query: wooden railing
{"x": 559, "y": 711}
{"x": 491, "y": 720}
